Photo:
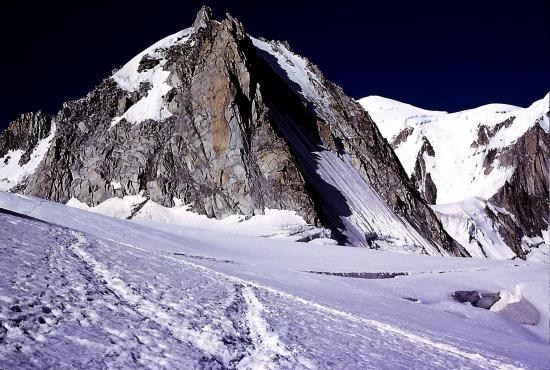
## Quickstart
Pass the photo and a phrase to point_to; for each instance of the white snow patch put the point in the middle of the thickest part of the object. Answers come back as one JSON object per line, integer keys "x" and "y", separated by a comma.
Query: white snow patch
{"x": 152, "y": 105}
{"x": 507, "y": 297}
{"x": 114, "y": 207}
{"x": 128, "y": 76}
{"x": 273, "y": 223}
{"x": 11, "y": 173}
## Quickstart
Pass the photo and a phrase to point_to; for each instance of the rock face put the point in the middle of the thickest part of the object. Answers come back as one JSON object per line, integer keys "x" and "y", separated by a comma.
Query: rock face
{"x": 23, "y": 145}
{"x": 24, "y": 134}
{"x": 421, "y": 177}
{"x": 231, "y": 124}
{"x": 485, "y": 169}
{"x": 526, "y": 194}
{"x": 216, "y": 150}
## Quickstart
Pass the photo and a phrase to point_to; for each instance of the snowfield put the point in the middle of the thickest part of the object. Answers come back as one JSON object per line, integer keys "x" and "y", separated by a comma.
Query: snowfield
{"x": 81, "y": 289}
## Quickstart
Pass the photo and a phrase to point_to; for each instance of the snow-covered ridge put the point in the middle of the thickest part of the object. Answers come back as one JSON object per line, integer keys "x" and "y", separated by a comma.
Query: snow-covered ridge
{"x": 130, "y": 79}
{"x": 464, "y": 165}
{"x": 297, "y": 70}
{"x": 11, "y": 173}
{"x": 128, "y": 76}
{"x": 457, "y": 168}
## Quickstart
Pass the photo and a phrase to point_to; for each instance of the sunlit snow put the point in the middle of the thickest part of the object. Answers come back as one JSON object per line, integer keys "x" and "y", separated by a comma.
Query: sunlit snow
{"x": 95, "y": 291}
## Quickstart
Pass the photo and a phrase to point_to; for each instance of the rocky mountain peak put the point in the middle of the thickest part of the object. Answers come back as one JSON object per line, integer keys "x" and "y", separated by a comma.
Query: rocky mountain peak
{"x": 229, "y": 124}
{"x": 203, "y": 17}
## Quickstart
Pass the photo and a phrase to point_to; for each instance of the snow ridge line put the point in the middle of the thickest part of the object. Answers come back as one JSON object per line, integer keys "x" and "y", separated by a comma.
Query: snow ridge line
{"x": 267, "y": 346}
{"x": 378, "y": 325}
{"x": 206, "y": 341}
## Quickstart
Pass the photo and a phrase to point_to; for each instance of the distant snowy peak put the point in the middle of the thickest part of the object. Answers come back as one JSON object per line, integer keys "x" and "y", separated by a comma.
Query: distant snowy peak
{"x": 491, "y": 163}
{"x": 391, "y": 116}
{"x": 464, "y": 141}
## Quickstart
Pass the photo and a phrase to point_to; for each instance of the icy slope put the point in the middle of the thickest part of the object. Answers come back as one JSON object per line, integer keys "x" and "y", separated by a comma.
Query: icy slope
{"x": 468, "y": 223}
{"x": 347, "y": 197}
{"x": 116, "y": 293}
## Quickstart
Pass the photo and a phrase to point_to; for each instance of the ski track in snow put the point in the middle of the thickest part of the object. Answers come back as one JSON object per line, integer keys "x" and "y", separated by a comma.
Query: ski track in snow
{"x": 73, "y": 300}
{"x": 379, "y": 326}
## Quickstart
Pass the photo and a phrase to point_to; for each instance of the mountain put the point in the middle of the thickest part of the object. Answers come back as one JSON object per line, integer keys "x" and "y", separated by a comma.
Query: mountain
{"x": 179, "y": 215}
{"x": 484, "y": 170}
{"x": 225, "y": 123}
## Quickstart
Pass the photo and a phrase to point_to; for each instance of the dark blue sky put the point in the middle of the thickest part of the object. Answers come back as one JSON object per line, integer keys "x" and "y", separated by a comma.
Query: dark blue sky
{"x": 446, "y": 55}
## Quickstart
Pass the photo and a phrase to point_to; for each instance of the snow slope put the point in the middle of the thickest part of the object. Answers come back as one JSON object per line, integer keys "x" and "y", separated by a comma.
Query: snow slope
{"x": 94, "y": 291}
{"x": 468, "y": 223}
{"x": 273, "y": 224}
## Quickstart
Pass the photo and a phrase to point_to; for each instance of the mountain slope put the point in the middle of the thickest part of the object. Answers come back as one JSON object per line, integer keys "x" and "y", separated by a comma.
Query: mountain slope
{"x": 496, "y": 153}
{"x": 230, "y": 124}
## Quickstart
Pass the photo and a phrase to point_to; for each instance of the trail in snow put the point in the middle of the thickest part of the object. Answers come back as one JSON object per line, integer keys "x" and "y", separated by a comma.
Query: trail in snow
{"x": 267, "y": 346}
{"x": 383, "y": 328}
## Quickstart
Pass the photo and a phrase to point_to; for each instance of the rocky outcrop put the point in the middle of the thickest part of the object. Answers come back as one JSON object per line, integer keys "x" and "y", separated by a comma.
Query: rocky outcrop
{"x": 477, "y": 299}
{"x": 421, "y": 177}
{"x": 486, "y": 133}
{"x": 234, "y": 133}
{"x": 216, "y": 151}
{"x": 24, "y": 134}
{"x": 402, "y": 136}
{"x": 525, "y": 196}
